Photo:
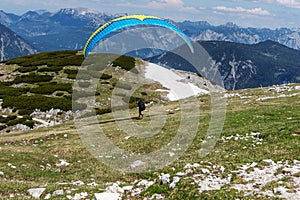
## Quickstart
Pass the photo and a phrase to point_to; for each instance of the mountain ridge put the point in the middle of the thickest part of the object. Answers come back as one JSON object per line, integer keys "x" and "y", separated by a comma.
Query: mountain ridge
{"x": 77, "y": 24}
{"x": 245, "y": 65}
{"x": 12, "y": 45}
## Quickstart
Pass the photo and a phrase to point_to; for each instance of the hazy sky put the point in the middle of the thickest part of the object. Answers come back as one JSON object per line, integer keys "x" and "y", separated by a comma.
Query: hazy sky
{"x": 245, "y": 13}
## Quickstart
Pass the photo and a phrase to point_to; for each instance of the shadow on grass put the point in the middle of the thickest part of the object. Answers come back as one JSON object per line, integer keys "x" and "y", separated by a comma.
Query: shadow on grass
{"x": 118, "y": 120}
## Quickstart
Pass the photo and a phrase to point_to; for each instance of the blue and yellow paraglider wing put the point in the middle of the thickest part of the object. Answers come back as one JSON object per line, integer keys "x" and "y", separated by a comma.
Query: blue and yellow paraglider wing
{"x": 128, "y": 21}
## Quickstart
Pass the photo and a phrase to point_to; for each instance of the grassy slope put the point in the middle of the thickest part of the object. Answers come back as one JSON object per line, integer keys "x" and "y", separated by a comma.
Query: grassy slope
{"x": 35, "y": 153}
{"x": 44, "y": 81}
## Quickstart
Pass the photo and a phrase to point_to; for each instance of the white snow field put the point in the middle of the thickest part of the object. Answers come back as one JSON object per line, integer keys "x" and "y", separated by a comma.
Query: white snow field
{"x": 178, "y": 87}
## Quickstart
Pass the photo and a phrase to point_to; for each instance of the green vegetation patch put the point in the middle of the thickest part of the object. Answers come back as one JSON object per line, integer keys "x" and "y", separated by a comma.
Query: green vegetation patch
{"x": 39, "y": 102}
{"x": 50, "y": 69}
{"x": 32, "y": 78}
{"x": 71, "y": 76}
{"x": 125, "y": 62}
{"x": 27, "y": 69}
{"x": 155, "y": 189}
{"x": 71, "y": 71}
{"x": 8, "y": 91}
{"x": 13, "y": 120}
{"x": 56, "y": 58}
{"x": 51, "y": 87}
{"x": 11, "y": 91}
{"x": 106, "y": 76}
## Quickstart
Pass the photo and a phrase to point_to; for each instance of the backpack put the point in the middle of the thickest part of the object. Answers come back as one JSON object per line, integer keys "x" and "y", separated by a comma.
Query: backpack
{"x": 141, "y": 105}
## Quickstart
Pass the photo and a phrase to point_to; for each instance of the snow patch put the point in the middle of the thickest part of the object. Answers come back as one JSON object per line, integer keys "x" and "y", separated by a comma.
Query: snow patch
{"x": 178, "y": 89}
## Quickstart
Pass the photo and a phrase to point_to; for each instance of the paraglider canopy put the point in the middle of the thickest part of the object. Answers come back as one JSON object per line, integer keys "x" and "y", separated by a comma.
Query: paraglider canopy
{"x": 129, "y": 21}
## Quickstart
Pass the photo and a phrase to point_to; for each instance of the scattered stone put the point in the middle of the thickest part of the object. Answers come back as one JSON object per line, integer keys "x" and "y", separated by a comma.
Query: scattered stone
{"x": 114, "y": 188}
{"x": 145, "y": 183}
{"x": 82, "y": 195}
{"x": 180, "y": 173}
{"x": 157, "y": 196}
{"x": 1, "y": 173}
{"x": 107, "y": 196}
{"x": 48, "y": 166}
{"x": 257, "y": 178}
{"x": 127, "y": 137}
{"x": 21, "y": 127}
{"x": 36, "y": 192}
{"x": 78, "y": 183}
{"x": 279, "y": 89}
{"x": 136, "y": 164}
{"x": 141, "y": 186}
{"x": 176, "y": 179}
{"x": 112, "y": 192}
{"x": 62, "y": 163}
{"x": 269, "y": 161}
{"x": 222, "y": 169}
{"x": 276, "y": 97}
{"x": 127, "y": 188}
{"x": 205, "y": 171}
{"x": 230, "y": 95}
{"x": 211, "y": 182}
{"x": 171, "y": 154}
{"x": 61, "y": 183}
{"x": 188, "y": 166}
{"x": 93, "y": 184}
{"x": 195, "y": 165}
{"x": 164, "y": 178}
{"x": 254, "y": 137}
{"x": 11, "y": 166}
{"x": 48, "y": 196}
{"x": 58, "y": 192}
{"x": 253, "y": 164}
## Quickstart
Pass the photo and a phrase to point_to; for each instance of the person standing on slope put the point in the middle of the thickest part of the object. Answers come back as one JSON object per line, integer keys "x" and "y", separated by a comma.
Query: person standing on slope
{"x": 142, "y": 107}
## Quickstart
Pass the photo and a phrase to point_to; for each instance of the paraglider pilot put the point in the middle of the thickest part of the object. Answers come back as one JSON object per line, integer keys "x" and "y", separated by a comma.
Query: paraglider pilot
{"x": 142, "y": 107}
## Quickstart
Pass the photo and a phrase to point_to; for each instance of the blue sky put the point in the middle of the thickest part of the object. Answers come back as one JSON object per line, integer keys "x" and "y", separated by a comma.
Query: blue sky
{"x": 245, "y": 13}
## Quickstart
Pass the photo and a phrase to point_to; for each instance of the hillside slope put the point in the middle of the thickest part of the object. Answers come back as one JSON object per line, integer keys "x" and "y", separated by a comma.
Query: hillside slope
{"x": 46, "y": 89}
{"x": 12, "y": 45}
{"x": 246, "y": 66}
{"x": 256, "y": 156}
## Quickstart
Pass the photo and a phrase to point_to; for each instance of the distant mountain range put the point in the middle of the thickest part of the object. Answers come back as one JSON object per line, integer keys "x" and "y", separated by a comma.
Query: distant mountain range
{"x": 232, "y": 33}
{"x": 245, "y": 57}
{"x": 69, "y": 29}
{"x": 66, "y": 29}
{"x": 244, "y": 65}
{"x": 12, "y": 45}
